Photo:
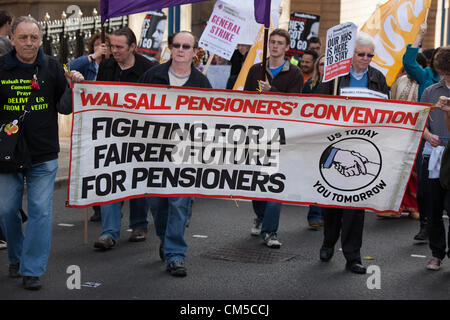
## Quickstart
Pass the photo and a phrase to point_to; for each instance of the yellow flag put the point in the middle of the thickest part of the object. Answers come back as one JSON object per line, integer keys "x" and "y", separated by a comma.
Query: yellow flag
{"x": 393, "y": 25}
{"x": 254, "y": 56}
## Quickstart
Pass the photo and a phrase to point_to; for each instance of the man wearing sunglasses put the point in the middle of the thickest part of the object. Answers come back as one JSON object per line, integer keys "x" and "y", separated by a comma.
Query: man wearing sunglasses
{"x": 350, "y": 222}
{"x": 170, "y": 214}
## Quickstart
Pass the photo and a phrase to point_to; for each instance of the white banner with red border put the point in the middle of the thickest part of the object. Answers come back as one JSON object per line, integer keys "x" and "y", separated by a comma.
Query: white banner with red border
{"x": 135, "y": 140}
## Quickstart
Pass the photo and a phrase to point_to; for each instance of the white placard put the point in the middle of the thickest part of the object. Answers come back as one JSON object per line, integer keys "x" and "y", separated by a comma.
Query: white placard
{"x": 223, "y": 30}
{"x": 362, "y": 92}
{"x": 340, "y": 45}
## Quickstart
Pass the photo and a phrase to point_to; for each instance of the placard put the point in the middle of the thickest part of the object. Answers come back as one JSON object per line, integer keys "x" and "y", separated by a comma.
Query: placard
{"x": 302, "y": 26}
{"x": 340, "y": 45}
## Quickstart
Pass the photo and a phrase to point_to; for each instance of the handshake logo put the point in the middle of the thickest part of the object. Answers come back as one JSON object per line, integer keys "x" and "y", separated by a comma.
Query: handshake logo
{"x": 361, "y": 166}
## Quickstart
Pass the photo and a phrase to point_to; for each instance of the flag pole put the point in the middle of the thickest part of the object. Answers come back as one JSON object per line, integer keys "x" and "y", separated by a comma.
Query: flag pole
{"x": 103, "y": 37}
{"x": 264, "y": 60}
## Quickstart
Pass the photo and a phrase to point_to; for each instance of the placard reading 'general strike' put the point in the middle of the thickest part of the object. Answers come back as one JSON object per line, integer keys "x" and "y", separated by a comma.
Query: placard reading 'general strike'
{"x": 135, "y": 140}
{"x": 223, "y": 30}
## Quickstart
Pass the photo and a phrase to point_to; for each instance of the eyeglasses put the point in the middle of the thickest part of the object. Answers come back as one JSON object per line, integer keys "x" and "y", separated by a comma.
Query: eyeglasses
{"x": 184, "y": 46}
{"x": 361, "y": 54}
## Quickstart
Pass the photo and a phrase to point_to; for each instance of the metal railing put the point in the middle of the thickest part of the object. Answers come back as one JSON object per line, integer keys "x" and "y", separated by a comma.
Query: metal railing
{"x": 67, "y": 39}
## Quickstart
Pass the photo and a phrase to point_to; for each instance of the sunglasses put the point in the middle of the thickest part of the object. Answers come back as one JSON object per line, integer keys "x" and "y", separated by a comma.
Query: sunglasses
{"x": 369, "y": 55}
{"x": 184, "y": 46}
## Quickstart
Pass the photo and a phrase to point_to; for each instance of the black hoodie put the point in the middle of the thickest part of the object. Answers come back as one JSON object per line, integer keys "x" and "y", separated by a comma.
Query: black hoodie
{"x": 16, "y": 95}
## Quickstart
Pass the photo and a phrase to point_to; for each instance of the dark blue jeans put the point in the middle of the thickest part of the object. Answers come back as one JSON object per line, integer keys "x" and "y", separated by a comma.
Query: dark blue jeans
{"x": 315, "y": 214}
{"x": 269, "y": 213}
{"x": 170, "y": 215}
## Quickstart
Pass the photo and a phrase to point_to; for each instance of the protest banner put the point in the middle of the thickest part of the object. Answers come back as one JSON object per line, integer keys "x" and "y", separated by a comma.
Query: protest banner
{"x": 152, "y": 34}
{"x": 302, "y": 26}
{"x": 134, "y": 140}
{"x": 222, "y": 32}
{"x": 340, "y": 44}
{"x": 393, "y": 25}
{"x": 140, "y": 140}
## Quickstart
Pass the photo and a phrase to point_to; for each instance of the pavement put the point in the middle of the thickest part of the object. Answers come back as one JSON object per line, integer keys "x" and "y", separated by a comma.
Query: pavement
{"x": 62, "y": 176}
{"x": 225, "y": 262}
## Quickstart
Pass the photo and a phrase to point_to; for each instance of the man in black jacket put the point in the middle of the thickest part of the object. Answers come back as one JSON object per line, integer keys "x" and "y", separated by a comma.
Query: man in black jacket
{"x": 35, "y": 88}
{"x": 351, "y": 221}
{"x": 170, "y": 214}
{"x": 125, "y": 66}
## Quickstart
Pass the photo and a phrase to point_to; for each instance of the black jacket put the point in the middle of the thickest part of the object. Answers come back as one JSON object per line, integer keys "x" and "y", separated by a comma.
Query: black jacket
{"x": 376, "y": 82}
{"x": 54, "y": 95}
{"x": 288, "y": 80}
{"x": 109, "y": 69}
{"x": 160, "y": 75}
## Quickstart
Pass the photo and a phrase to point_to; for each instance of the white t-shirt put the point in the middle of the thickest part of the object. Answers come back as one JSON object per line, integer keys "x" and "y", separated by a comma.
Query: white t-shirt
{"x": 177, "y": 80}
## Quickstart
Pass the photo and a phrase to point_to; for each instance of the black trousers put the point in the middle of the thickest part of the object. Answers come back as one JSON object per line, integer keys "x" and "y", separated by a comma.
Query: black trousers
{"x": 347, "y": 223}
{"x": 435, "y": 200}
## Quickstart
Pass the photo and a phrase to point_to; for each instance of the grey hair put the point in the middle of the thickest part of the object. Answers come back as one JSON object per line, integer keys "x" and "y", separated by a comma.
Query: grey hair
{"x": 5, "y": 46}
{"x": 27, "y": 19}
{"x": 364, "y": 39}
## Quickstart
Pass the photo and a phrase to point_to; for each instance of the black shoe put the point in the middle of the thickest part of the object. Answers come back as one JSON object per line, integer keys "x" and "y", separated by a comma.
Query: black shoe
{"x": 13, "y": 270}
{"x": 96, "y": 217}
{"x": 356, "y": 267}
{"x": 177, "y": 269}
{"x": 161, "y": 250}
{"x": 422, "y": 235}
{"x": 104, "y": 242}
{"x": 31, "y": 283}
{"x": 326, "y": 254}
{"x": 138, "y": 235}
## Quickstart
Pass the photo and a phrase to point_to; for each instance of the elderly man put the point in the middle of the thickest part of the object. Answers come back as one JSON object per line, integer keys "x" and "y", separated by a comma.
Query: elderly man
{"x": 350, "y": 222}
{"x": 45, "y": 81}
{"x": 434, "y": 194}
{"x": 171, "y": 213}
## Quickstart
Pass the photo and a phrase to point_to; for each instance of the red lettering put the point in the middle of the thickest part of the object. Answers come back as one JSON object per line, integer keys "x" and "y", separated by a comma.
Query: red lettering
{"x": 274, "y": 105}
{"x": 318, "y": 108}
{"x": 143, "y": 102}
{"x": 261, "y": 107}
{"x": 287, "y": 108}
{"x": 411, "y": 118}
{"x": 181, "y": 101}
{"x": 303, "y": 110}
{"x": 193, "y": 103}
{"x": 114, "y": 104}
{"x": 128, "y": 99}
{"x": 105, "y": 99}
{"x": 346, "y": 115}
{"x": 359, "y": 114}
{"x": 89, "y": 99}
